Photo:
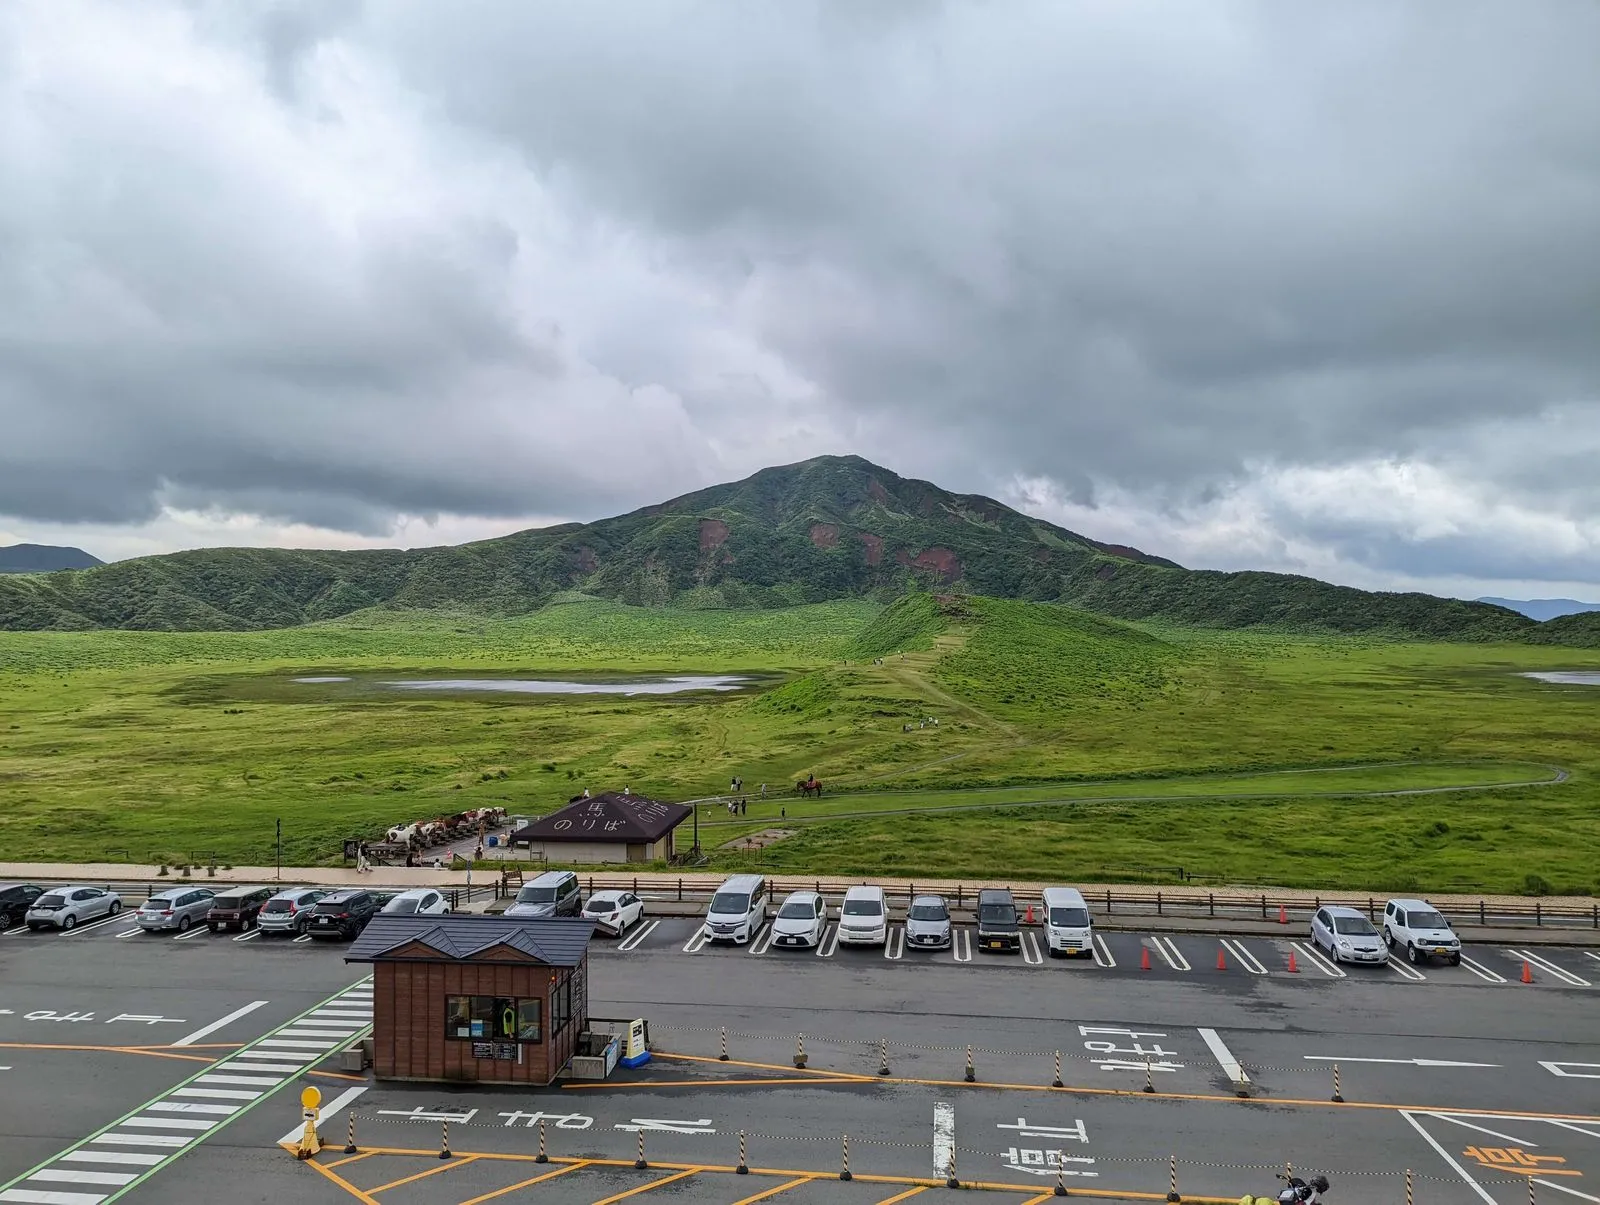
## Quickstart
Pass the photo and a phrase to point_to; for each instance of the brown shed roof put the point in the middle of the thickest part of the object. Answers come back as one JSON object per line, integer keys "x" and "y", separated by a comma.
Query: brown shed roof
{"x": 607, "y": 817}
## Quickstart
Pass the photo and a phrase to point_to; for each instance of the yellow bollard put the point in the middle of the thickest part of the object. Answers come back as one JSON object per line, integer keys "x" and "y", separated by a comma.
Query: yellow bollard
{"x": 310, "y": 1140}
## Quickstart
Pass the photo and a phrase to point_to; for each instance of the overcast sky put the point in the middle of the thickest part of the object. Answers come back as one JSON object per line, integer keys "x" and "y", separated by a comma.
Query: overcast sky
{"x": 1291, "y": 286}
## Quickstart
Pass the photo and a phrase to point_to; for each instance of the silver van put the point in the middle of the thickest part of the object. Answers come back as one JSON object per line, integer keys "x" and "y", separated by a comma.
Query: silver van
{"x": 738, "y": 910}
{"x": 554, "y": 893}
{"x": 175, "y": 908}
{"x": 1068, "y": 931}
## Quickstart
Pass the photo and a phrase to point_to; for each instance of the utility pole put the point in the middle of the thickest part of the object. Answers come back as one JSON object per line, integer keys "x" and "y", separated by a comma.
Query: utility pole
{"x": 278, "y": 873}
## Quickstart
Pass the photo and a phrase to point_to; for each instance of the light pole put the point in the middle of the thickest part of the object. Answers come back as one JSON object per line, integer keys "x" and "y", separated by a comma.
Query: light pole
{"x": 278, "y": 873}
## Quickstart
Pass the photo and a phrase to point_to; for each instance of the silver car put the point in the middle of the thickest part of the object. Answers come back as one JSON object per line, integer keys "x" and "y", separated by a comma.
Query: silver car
{"x": 288, "y": 912}
{"x": 928, "y": 923}
{"x": 1347, "y": 935}
{"x": 175, "y": 908}
{"x": 69, "y": 907}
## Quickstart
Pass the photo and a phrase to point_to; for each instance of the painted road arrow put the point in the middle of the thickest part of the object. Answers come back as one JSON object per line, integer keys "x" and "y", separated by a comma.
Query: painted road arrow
{"x": 1333, "y": 1058}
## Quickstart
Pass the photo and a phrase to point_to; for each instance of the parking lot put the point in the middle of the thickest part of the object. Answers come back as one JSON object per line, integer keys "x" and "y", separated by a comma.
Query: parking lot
{"x": 1462, "y": 1087}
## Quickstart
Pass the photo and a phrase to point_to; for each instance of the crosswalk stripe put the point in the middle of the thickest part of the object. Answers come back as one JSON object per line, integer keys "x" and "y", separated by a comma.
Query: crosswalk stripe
{"x": 183, "y": 1106}
{"x": 295, "y": 1044}
{"x": 127, "y": 1158}
{"x": 30, "y": 1196}
{"x": 254, "y": 1080}
{"x": 142, "y": 1139}
{"x": 170, "y": 1123}
{"x": 67, "y": 1175}
{"x": 259, "y": 1067}
{"x": 217, "y": 1093}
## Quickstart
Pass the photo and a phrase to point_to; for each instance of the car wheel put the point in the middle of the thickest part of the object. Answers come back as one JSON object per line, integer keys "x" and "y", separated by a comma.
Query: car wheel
{"x": 1411, "y": 954}
{"x": 1388, "y": 938}
{"x": 1455, "y": 960}
{"x": 68, "y": 921}
{"x": 183, "y": 924}
{"x": 116, "y": 907}
{"x": 5, "y": 921}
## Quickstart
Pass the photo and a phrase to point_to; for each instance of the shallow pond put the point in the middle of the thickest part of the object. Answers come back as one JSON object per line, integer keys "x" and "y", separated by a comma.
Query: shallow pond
{"x": 1568, "y": 677}
{"x": 639, "y": 685}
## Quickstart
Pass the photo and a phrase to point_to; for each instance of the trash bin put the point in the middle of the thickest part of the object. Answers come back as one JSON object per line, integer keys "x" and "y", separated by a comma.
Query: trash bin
{"x": 493, "y": 841}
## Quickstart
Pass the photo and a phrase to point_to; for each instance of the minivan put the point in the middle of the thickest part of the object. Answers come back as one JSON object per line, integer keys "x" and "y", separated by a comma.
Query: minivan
{"x": 237, "y": 908}
{"x": 997, "y": 920}
{"x": 554, "y": 893}
{"x": 1067, "y": 929}
{"x": 738, "y": 910}
{"x": 864, "y": 917}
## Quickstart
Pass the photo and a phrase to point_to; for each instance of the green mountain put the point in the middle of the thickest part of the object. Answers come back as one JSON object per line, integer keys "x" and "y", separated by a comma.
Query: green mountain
{"x": 827, "y": 528}
{"x": 44, "y": 558}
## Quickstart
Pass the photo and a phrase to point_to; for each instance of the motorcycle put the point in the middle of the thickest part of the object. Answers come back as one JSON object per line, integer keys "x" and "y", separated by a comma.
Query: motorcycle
{"x": 1295, "y": 1192}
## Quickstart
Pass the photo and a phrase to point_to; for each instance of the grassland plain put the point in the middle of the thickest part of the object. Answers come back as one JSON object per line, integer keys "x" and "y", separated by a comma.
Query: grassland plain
{"x": 139, "y": 745}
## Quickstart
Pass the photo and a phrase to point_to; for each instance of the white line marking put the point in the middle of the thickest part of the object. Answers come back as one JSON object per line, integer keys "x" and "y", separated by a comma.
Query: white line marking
{"x": 1591, "y": 954}
{"x": 1481, "y": 971}
{"x": 696, "y": 941}
{"x": 28, "y": 1196}
{"x": 170, "y": 1123}
{"x": 760, "y": 939}
{"x": 944, "y": 1139}
{"x": 294, "y": 1044}
{"x": 1246, "y": 959}
{"x": 896, "y": 945}
{"x": 1582, "y": 1196}
{"x": 94, "y": 924}
{"x": 217, "y": 1093}
{"x": 961, "y": 945}
{"x": 127, "y": 1158}
{"x": 1102, "y": 952}
{"x": 205, "y": 1031}
{"x": 193, "y": 933}
{"x": 286, "y": 1068}
{"x": 141, "y": 1140}
{"x": 1030, "y": 949}
{"x": 1350, "y": 1058}
{"x": 1330, "y": 969}
{"x": 1567, "y": 1125}
{"x": 1445, "y": 1155}
{"x": 183, "y": 1106}
{"x": 328, "y": 1111}
{"x": 130, "y": 932}
{"x": 304, "y": 937}
{"x": 1224, "y": 1057}
{"x": 1168, "y": 949}
{"x": 1556, "y": 1069}
{"x": 1549, "y": 967}
{"x": 248, "y": 934}
{"x": 250, "y": 1081}
{"x": 1405, "y": 972}
{"x": 67, "y": 1175}
{"x": 1467, "y": 1125}
{"x": 634, "y": 939}
{"x": 829, "y": 943}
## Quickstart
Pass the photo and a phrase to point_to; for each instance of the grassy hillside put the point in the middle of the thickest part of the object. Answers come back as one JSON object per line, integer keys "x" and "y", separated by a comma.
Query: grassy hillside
{"x": 1232, "y": 754}
{"x": 824, "y": 529}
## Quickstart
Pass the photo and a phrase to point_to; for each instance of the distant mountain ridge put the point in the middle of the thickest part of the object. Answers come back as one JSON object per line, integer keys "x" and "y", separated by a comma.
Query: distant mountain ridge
{"x": 44, "y": 558}
{"x": 1542, "y": 609}
{"x": 831, "y": 527}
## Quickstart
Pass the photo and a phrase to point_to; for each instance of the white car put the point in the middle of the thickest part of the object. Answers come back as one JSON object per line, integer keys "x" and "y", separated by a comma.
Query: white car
{"x": 1347, "y": 935}
{"x": 801, "y": 920}
{"x": 69, "y": 907}
{"x": 419, "y": 901}
{"x": 1425, "y": 934}
{"x": 614, "y": 912}
{"x": 864, "y": 917}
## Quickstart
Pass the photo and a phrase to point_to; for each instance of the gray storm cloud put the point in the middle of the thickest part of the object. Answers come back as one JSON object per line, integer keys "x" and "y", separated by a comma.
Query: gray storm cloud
{"x": 339, "y": 263}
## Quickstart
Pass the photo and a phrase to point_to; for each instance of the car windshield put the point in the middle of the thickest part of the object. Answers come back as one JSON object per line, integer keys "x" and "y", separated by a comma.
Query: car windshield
{"x": 400, "y": 906}
{"x": 863, "y": 908}
{"x": 997, "y": 914}
{"x": 1070, "y": 918}
{"x": 277, "y": 906}
{"x": 1427, "y": 920}
{"x": 797, "y": 910}
{"x": 1354, "y": 926}
{"x": 602, "y": 905}
{"x": 735, "y": 902}
{"x": 51, "y": 899}
{"x": 929, "y": 912}
{"x": 536, "y": 895}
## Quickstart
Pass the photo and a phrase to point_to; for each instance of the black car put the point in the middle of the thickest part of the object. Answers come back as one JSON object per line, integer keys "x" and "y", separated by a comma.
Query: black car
{"x": 997, "y": 920}
{"x": 15, "y": 900}
{"x": 342, "y": 914}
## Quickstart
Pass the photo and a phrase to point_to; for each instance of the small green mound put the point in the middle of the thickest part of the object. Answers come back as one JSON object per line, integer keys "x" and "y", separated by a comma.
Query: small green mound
{"x": 810, "y": 695}
{"x": 910, "y": 622}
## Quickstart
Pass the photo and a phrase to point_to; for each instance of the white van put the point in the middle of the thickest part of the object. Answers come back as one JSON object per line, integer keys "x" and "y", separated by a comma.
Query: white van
{"x": 738, "y": 910}
{"x": 1067, "y": 929}
{"x": 864, "y": 917}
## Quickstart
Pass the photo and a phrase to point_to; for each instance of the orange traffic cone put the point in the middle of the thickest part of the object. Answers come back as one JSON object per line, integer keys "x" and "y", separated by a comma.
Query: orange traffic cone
{"x": 1222, "y": 963}
{"x": 1294, "y": 967}
{"x": 1527, "y": 973}
{"x": 1283, "y": 915}
{"x": 1144, "y": 959}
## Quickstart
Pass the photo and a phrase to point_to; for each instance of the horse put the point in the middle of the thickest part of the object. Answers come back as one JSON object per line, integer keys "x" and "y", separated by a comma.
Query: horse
{"x": 810, "y": 787}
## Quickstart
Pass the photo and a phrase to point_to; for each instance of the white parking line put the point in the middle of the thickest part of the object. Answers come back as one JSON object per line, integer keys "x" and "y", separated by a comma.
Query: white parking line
{"x": 829, "y": 942}
{"x": 1330, "y": 969}
{"x": 696, "y": 941}
{"x": 302, "y": 938}
{"x": 1102, "y": 953}
{"x": 248, "y": 934}
{"x": 1224, "y": 1056}
{"x": 1481, "y": 971}
{"x": 94, "y": 924}
{"x": 755, "y": 939}
{"x": 207, "y": 1030}
{"x": 1404, "y": 971}
{"x": 896, "y": 945}
{"x": 944, "y": 1140}
{"x": 196, "y": 931}
{"x": 1246, "y": 959}
{"x": 633, "y": 940}
{"x": 1170, "y": 954}
{"x": 1030, "y": 948}
{"x": 1551, "y": 968}
{"x": 130, "y": 932}
{"x": 961, "y": 945}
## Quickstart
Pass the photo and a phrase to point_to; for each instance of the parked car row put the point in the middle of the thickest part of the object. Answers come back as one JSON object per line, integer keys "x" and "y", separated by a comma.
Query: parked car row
{"x": 1414, "y": 927}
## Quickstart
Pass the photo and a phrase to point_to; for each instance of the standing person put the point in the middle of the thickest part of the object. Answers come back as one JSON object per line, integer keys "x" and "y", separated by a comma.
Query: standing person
{"x": 763, "y": 790}
{"x": 783, "y": 812}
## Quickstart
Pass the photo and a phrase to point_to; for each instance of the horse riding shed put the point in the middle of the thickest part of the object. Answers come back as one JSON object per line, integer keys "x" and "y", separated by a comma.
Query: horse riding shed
{"x": 464, "y": 998}
{"x": 606, "y": 828}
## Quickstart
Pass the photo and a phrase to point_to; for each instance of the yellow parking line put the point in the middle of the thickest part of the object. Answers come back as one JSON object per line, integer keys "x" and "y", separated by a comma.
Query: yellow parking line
{"x": 705, "y": 1058}
{"x": 904, "y": 1196}
{"x": 650, "y": 1187}
{"x": 727, "y": 1083}
{"x": 500, "y": 1192}
{"x": 768, "y": 1193}
{"x": 351, "y": 1159}
{"x": 342, "y": 1183}
{"x": 443, "y": 1165}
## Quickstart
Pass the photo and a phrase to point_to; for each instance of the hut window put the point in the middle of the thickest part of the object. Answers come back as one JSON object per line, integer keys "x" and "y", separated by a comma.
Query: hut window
{"x": 492, "y": 1017}
{"x": 528, "y": 1016}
